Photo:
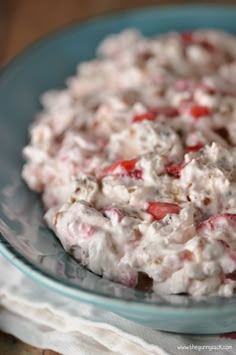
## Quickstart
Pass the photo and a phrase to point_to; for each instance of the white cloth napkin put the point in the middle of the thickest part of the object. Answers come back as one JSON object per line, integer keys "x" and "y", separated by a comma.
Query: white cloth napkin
{"x": 48, "y": 320}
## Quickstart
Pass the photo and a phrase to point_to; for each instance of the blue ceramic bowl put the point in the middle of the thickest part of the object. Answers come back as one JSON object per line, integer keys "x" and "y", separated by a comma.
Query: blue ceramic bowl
{"x": 25, "y": 240}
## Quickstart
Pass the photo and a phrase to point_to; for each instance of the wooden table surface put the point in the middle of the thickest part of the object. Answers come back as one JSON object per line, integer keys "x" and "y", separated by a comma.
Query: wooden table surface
{"x": 24, "y": 21}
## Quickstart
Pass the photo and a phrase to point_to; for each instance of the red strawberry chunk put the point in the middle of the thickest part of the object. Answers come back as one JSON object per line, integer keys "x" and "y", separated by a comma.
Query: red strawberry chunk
{"x": 207, "y": 46}
{"x": 149, "y": 115}
{"x": 160, "y": 209}
{"x": 128, "y": 166}
{"x": 199, "y": 111}
{"x": 214, "y": 222}
{"x": 231, "y": 335}
{"x": 174, "y": 170}
{"x": 193, "y": 148}
{"x": 166, "y": 111}
{"x": 231, "y": 275}
{"x": 187, "y": 37}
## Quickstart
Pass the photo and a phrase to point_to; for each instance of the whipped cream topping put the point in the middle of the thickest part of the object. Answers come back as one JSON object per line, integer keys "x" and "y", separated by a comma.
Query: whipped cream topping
{"x": 136, "y": 162}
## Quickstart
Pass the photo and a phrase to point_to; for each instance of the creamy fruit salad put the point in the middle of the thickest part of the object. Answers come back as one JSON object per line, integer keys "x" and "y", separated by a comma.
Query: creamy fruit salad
{"x": 136, "y": 162}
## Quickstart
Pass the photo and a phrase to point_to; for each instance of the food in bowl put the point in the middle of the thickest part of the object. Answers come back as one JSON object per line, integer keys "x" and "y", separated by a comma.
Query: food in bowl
{"x": 136, "y": 162}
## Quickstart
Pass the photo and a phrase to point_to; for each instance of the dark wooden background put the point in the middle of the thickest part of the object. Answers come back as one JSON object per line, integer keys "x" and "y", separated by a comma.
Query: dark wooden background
{"x": 24, "y": 21}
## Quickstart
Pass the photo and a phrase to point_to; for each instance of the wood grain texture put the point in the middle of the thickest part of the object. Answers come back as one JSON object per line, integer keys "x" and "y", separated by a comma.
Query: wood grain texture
{"x": 30, "y": 19}
{"x": 12, "y": 346}
{"x": 24, "y": 21}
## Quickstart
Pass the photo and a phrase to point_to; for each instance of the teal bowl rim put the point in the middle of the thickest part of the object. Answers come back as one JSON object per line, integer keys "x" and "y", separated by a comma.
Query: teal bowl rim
{"x": 76, "y": 292}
